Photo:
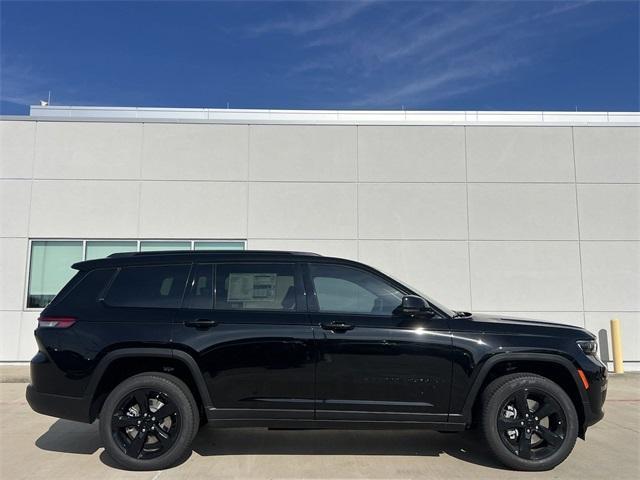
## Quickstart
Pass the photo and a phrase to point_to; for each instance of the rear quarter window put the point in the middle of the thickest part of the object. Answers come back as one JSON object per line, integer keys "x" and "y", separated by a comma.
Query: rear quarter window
{"x": 84, "y": 289}
{"x": 151, "y": 286}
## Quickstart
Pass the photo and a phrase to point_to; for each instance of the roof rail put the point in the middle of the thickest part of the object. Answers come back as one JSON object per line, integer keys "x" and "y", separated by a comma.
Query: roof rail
{"x": 211, "y": 252}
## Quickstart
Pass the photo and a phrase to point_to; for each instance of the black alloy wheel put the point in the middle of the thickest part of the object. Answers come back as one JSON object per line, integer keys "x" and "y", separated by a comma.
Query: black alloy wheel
{"x": 145, "y": 424}
{"x": 148, "y": 421}
{"x": 532, "y": 424}
{"x": 529, "y": 421}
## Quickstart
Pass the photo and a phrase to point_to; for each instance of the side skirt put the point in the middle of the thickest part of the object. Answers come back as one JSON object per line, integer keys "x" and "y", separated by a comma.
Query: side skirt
{"x": 335, "y": 424}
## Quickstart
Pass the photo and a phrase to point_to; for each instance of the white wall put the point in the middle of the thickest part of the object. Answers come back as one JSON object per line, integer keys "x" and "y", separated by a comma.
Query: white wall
{"x": 537, "y": 221}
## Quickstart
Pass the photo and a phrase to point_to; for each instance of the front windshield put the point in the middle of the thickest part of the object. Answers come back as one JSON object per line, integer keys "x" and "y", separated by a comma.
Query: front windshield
{"x": 431, "y": 301}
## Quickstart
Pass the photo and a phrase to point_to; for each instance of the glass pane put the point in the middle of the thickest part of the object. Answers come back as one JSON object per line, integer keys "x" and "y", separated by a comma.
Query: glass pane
{"x": 255, "y": 287}
{"x": 50, "y": 269}
{"x": 101, "y": 249}
{"x": 150, "y": 246}
{"x": 201, "y": 292}
{"x": 155, "y": 286}
{"x": 84, "y": 293}
{"x": 350, "y": 290}
{"x": 218, "y": 246}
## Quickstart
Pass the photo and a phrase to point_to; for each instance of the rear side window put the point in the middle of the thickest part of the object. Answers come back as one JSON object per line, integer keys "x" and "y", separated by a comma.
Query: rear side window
{"x": 71, "y": 284}
{"x": 257, "y": 286}
{"x": 200, "y": 290}
{"x": 154, "y": 286}
{"x": 86, "y": 291}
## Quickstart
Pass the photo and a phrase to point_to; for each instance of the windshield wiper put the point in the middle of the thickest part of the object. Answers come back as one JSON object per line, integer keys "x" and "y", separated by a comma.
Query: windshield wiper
{"x": 460, "y": 314}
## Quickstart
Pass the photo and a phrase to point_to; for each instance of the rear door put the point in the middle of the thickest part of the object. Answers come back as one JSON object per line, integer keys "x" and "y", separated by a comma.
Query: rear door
{"x": 374, "y": 364}
{"x": 139, "y": 305}
{"x": 246, "y": 324}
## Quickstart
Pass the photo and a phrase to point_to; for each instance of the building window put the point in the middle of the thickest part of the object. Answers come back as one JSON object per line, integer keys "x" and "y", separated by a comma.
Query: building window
{"x": 218, "y": 246}
{"x": 50, "y": 260}
{"x": 104, "y": 248}
{"x": 50, "y": 269}
{"x": 155, "y": 246}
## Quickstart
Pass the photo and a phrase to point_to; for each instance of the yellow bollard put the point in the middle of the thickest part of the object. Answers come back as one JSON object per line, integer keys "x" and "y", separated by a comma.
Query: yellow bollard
{"x": 616, "y": 343}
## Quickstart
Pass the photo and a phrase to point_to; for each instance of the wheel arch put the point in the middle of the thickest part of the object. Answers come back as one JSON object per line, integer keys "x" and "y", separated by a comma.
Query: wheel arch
{"x": 542, "y": 364}
{"x": 120, "y": 364}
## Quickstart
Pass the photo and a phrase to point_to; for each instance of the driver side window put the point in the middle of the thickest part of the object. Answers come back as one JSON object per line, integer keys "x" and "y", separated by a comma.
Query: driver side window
{"x": 343, "y": 289}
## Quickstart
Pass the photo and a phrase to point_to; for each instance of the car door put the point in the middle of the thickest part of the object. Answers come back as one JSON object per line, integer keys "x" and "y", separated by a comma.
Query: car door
{"x": 246, "y": 324}
{"x": 375, "y": 364}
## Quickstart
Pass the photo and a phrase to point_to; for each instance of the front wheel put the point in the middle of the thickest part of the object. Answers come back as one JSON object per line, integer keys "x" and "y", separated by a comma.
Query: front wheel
{"x": 530, "y": 423}
{"x": 148, "y": 422}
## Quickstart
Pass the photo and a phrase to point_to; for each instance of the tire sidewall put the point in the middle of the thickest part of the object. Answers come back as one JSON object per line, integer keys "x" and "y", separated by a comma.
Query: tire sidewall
{"x": 181, "y": 400}
{"x": 492, "y": 410}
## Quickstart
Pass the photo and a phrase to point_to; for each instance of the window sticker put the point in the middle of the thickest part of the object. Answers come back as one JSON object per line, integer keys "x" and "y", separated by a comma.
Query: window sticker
{"x": 251, "y": 287}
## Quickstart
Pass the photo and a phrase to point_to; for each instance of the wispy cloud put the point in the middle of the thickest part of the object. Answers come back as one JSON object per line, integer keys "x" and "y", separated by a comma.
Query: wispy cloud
{"x": 24, "y": 83}
{"x": 468, "y": 73}
{"x": 298, "y": 25}
{"x": 422, "y": 52}
{"x": 333, "y": 53}
{"x": 20, "y": 82}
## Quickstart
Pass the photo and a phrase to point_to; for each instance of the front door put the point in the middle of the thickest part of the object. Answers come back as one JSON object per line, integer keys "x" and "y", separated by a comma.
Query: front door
{"x": 374, "y": 364}
{"x": 246, "y": 323}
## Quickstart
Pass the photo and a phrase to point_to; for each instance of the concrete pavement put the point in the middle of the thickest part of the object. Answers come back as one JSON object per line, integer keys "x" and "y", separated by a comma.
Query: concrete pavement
{"x": 33, "y": 446}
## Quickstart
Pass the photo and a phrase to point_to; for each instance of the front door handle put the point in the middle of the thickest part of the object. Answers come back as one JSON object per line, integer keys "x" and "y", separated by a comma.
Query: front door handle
{"x": 200, "y": 323}
{"x": 337, "y": 326}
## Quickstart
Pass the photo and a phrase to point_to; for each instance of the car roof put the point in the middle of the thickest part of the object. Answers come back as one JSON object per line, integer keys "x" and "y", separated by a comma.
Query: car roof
{"x": 189, "y": 256}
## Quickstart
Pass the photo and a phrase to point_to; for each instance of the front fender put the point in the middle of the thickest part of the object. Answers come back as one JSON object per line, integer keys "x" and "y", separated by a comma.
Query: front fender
{"x": 483, "y": 369}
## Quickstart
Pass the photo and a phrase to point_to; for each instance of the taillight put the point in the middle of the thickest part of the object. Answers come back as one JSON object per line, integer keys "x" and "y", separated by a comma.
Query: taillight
{"x": 55, "y": 322}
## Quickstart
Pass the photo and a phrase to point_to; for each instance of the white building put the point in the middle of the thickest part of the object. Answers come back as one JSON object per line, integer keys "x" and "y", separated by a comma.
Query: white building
{"x": 535, "y": 214}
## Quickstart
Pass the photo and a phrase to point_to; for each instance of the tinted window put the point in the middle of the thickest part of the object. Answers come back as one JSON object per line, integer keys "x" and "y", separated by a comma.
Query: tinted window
{"x": 255, "y": 287}
{"x": 350, "y": 290}
{"x": 157, "y": 286}
{"x": 71, "y": 284}
{"x": 200, "y": 291}
{"x": 86, "y": 292}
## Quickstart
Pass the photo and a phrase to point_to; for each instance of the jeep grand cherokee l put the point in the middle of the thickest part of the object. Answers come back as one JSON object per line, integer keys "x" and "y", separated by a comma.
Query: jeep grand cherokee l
{"x": 156, "y": 344}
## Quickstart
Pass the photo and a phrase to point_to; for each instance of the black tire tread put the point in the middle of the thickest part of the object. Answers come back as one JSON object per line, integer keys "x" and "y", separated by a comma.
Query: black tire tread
{"x": 191, "y": 420}
{"x": 496, "y": 445}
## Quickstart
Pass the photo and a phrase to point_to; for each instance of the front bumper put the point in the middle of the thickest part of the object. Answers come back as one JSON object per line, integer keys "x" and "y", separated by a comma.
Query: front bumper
{"x": 596, "y": 394}
{"x": 60, "y": 406}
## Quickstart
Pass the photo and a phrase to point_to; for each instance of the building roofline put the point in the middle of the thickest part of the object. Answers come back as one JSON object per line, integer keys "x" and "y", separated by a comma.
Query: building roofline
{"x": 323, "y": 117}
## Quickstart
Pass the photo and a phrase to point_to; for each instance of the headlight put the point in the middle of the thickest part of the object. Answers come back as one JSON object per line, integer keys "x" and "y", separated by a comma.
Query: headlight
{"x": 589, "y": 347}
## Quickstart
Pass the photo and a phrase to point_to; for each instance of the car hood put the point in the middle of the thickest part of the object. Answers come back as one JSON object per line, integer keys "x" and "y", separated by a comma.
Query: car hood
{"x": 506, "y": 324}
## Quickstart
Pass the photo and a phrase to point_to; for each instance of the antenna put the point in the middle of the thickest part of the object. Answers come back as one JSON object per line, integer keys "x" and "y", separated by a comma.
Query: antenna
{"x": 46, "y": 103}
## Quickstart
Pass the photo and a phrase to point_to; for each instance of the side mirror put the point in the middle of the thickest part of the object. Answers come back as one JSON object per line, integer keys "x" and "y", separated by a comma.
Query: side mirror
{"x": 412, "y": 305}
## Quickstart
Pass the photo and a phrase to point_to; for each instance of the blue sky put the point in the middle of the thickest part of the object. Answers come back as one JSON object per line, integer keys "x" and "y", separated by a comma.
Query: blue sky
{"x": 496, "y": 55}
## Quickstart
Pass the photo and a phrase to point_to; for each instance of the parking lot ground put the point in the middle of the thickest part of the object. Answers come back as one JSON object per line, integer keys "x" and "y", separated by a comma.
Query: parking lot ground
{"x": 34, "y": 446}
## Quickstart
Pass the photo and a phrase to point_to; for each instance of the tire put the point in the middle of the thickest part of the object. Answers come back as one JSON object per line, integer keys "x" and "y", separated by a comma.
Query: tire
{"x": 132, "y": 433}
{"x": 542, "y": 437}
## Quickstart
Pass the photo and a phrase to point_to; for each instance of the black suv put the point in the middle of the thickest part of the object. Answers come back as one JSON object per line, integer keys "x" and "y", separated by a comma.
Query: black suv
{"x": 157, "y": 344}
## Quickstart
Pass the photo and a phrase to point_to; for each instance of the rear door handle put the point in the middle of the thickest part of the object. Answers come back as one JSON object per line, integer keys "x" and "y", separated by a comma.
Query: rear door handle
{"x": 200, "y": 323}
{"x": 337, "y": 326}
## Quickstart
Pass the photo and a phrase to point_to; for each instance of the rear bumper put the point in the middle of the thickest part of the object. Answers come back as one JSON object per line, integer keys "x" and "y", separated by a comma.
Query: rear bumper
{"x": 60, "y": 406}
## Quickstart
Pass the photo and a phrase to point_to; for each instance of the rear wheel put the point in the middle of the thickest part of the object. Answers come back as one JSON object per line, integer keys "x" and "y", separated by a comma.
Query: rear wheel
{"x": 148, "y": 421}
{"x": 530, "y": 423}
